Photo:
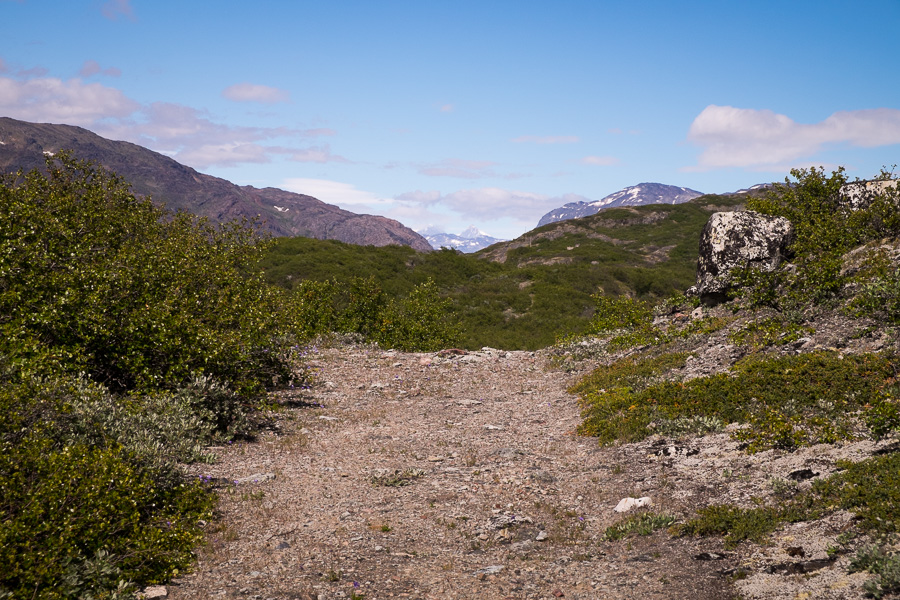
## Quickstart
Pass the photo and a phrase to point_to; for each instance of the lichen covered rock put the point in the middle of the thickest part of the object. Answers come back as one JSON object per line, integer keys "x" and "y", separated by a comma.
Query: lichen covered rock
{"x": 738, "y": 239}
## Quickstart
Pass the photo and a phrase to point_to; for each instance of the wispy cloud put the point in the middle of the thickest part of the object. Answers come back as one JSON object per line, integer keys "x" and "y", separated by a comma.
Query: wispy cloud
{"x": 333, "y": 192}
{"x": 763, "y": 139}
{"x": 113, "y": 9}
{"x": 317, "y": 154}
{"x": 189, "y": 135}
{"x": 251, "y": 92}
{"x": 92, "y": 67}
{"x": 546, "y": 139}
{"x": 485, "y": 203}
{"x": 446, "y": 108}
{"x": 459, "y": 168}
{"x": 600, "y": 161}
{"x": 53, "y": 100}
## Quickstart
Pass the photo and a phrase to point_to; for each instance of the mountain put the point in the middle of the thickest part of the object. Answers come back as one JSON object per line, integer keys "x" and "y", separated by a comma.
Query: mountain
{"x": 470, "y": 240}
{"x": 24, "y": 145}
{"x": 636, "y": 195}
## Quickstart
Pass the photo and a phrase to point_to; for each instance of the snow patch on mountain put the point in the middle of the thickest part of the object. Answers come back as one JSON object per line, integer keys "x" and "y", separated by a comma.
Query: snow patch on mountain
{"x": 636, "y": 195}
{"x": 470, "y": 240}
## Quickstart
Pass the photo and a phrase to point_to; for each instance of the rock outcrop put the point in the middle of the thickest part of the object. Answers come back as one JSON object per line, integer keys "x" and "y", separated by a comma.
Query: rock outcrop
{"x": 738, "y": 239}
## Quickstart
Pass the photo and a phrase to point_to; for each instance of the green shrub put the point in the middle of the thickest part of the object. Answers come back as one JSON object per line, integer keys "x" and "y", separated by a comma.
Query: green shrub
{"x": 421, "y": 321}
{"x": 625, "y": 321}
{"x": 884, "y": 564}
{"x": 129, "y": 338}
{"x": 736, "y": 524}
{"x": 132, "y": 295}
{"x": 827, "y": 224}
{"x": 643, "y": 523}
{"x": 66, "y": 510}
{"x": 785, "y": 402}
{"x": 772, "y": 331}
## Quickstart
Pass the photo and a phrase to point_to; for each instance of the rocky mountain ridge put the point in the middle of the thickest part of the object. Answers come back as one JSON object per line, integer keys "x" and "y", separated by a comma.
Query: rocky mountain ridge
{"x": 636, "y": 195}
{"x": 470, "y": 240}
{"x": 25, "y": 145}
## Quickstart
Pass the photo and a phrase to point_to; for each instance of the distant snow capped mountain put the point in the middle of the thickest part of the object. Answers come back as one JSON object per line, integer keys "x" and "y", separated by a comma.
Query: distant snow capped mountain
{"x": 470, "y": 240}
{"x": 756, "y": 188}
{"x": 636, "y": 195}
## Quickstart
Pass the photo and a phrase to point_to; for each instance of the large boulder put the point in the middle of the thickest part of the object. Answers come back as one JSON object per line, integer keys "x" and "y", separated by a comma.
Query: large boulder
{"x": 738, "y": 239}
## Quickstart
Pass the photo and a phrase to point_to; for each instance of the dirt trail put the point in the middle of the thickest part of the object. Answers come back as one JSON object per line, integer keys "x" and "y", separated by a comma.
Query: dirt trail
{"x": 418, "y": 476}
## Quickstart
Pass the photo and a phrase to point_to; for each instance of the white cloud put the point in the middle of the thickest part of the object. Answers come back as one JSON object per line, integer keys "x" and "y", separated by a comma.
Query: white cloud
{"x": 484, "y": 203}
{"x": 332, "y": 192}
{"x": 182, "y": 132}
{"x": 447, "y": 108}
{"x": 546, "y": 139}
{"x": 602, "y": 161}
{"x": 750, "y": 138}
{"x": 250, "y": 92}
{"x": 112, "y": 9}
{"x": 223, "y": 154}
{"x": 53, "y": 100}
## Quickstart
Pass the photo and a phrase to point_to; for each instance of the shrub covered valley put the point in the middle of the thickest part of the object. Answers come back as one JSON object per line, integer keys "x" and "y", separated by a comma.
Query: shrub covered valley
{"x": 135, "y": 339}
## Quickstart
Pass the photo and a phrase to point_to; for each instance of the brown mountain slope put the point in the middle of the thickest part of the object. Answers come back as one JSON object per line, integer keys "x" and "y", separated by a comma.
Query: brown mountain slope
{"x": 24, "y": 145}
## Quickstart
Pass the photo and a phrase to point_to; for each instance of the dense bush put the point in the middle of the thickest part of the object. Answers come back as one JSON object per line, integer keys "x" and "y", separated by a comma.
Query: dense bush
{"x": 421, "y": 320}
{"x": 133, "y": 296}
{"x": 89, "y": 493}
{"x": 129, "y": 338}
{"x": 828, "y": 222}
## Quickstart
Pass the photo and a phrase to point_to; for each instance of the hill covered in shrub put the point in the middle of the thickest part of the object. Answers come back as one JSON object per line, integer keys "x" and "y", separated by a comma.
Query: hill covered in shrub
{"x": 130, "y": 339}
{"x": 525, "y": 293}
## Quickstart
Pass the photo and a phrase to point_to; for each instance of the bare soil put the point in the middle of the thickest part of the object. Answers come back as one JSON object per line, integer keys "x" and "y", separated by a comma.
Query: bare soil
{"x": 459, "y": 475}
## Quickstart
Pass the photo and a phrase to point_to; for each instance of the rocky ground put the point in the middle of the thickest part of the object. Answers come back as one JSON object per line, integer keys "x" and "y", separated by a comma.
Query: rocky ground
{"x": 459, "y": 475}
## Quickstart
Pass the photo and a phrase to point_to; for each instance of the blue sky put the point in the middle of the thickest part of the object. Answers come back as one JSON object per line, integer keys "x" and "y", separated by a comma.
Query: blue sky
{"x": 458, "y": 113}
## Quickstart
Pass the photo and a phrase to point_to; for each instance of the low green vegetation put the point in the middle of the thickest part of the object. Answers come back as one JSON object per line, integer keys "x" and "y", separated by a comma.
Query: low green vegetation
{"x": 828, "y": 223}
{"x": 130, "y": 339}
{"x": 783, "y": 402}
{"x": 869, "y": 488}
{"x": 643, "y": 523}
{"x": 840, "y": 260}
{"x": 882, "y": 562}
{"x": 525, "y": 293}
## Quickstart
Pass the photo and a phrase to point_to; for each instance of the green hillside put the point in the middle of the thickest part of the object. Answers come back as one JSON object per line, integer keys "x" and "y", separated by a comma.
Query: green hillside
{"x": 522, "y": 294}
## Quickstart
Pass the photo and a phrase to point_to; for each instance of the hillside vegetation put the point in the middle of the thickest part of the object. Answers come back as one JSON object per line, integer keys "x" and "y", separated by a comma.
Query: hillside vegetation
{"x": 778, "y": 389}
{"x": 130, "y": 339}
{"x": 526, "y": 293}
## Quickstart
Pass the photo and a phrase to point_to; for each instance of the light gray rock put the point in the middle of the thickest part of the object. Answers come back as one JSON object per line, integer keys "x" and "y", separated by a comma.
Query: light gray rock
{"x": 738, "y": 239}
{"x": 627, "y": 504}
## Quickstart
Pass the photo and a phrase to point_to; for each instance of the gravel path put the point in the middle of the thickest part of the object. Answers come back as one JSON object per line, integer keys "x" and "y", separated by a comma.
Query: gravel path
{"x": 427, "y": 476}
